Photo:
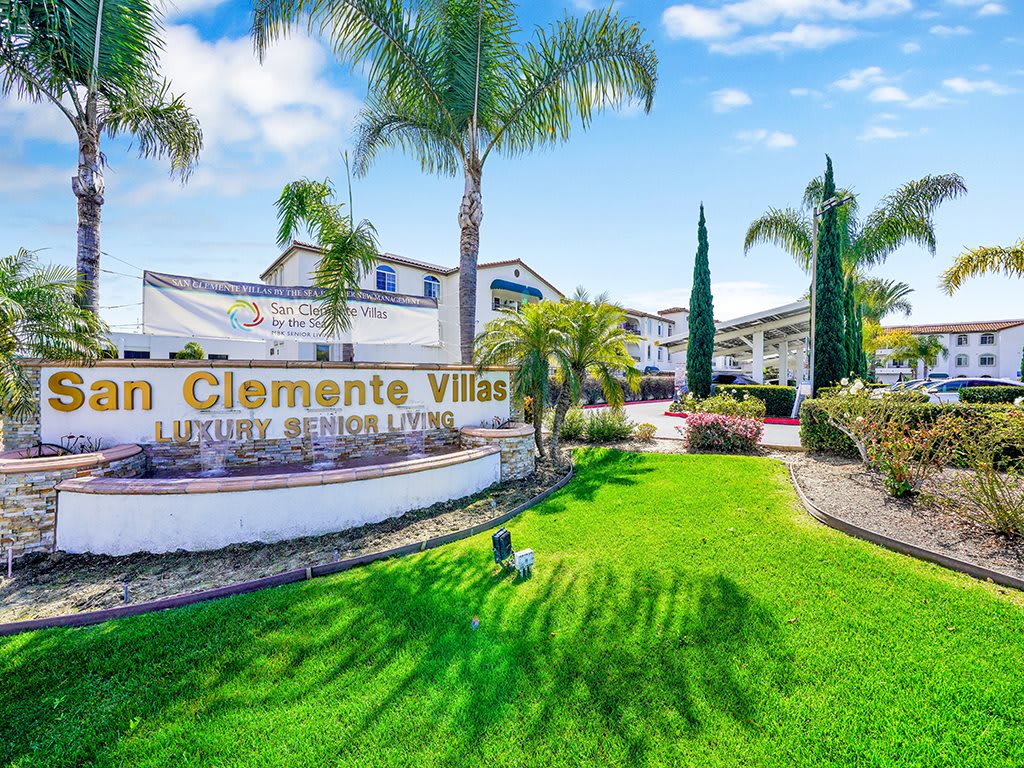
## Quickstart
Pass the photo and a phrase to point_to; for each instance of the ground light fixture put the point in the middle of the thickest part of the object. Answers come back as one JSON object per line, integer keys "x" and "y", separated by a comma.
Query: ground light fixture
{"x": 506, "y": 557}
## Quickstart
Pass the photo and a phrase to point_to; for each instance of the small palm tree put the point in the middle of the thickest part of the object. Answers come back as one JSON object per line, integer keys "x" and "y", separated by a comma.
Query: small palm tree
{"x": 349, "y": 250}
{"x": 590, "y": 341}
{"x": 984, "y": 261}
{"x": 40, "y": 316}
{"x": 449, "y": 85}
{"x": 526, "y": 340}
{"x": 96, "y": 61}
{"x": 879, "y": 297}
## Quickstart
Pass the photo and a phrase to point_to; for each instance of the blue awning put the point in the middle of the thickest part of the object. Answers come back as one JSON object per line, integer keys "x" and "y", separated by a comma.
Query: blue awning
{"x": 508, "y": 285}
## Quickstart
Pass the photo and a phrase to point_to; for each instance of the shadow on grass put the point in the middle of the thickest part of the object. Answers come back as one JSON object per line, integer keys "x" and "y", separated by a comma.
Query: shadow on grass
{"x": 597, "y": 468}
{"x": 629, "y": 657}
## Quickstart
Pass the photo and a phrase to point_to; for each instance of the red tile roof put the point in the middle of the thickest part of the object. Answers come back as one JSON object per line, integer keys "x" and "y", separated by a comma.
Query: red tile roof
{"x": 982, "y": 327}
{"x": 672, "y": 310}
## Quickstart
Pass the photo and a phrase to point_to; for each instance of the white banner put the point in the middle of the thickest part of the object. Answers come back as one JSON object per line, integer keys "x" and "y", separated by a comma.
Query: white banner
{"x": 173, "y": 305}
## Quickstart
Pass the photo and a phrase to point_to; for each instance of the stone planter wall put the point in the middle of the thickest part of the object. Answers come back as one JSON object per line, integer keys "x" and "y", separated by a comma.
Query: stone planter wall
{"x": 17, "y": 434}
{"x": 28, "y": 491}
{"x": 518, "y": 455}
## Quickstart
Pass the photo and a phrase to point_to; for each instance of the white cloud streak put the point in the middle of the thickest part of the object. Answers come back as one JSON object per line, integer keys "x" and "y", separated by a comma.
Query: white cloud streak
{"x": 728, "y": 99}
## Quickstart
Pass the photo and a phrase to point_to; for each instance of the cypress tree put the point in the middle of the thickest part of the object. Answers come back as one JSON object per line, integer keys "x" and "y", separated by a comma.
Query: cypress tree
{"x": 851, "y": 337}
{"x": 701, "y": 321}
{"x": 830, "y": 363}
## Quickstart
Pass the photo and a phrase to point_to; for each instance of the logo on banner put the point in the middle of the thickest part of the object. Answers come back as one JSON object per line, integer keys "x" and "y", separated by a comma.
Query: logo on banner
{"x": 241, "y": 311}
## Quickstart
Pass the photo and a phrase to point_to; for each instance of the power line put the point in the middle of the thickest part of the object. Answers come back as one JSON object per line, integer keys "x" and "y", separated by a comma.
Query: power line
{"x": 121, "y": 306}
{"x": 122, "y": 274}
{"x": 127, "y": 263}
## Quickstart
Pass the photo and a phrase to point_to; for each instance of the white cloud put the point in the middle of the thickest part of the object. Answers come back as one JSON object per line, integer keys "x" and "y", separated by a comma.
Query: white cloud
{"x": 723, "y": 23}
{"x": 805, "y": 93}
{"x": 764, "y": 138}
{"x": 802, "y": 36}
{"x": 888, "y": 93}
{"x": 178, "y": 9}
{"x": 941, "y": 30}
{"x": 41, "y": 121}
{"x": 861, "y": 78}
{"x": 727, "y": 99}
{"x": 930, "y": 100}
{"x": 963, "y": 85}
{"x": 733, "y": 298}
{"x": 910, "y": 47}
{"x": 881, "y": 133}
{"x": 992, "y": 9}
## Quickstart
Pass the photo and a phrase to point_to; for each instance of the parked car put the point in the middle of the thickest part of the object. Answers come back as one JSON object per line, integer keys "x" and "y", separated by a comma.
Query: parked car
{"x": 723, "y": 379}
{"x": 948, "y": 391}
{"x": 652, "y": 370}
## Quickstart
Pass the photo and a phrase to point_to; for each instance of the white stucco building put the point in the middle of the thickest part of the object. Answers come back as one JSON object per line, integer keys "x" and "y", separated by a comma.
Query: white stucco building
{"x": 647, "y": 331}
{"x": 979, "y": 349}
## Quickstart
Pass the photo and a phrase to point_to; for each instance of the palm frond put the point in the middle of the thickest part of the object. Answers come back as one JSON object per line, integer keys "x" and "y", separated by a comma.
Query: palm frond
{"x": 787, "y": 229}
{"x": 383, "y": 125}
{"x": 986, "y": 260}
{"x": 161, "y": 122}
{"x": 577, "y": 67}
{"x": 879, "y": 297}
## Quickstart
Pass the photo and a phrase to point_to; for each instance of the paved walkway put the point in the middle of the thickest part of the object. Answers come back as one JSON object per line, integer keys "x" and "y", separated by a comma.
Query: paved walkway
{"x": 778, "y": 435}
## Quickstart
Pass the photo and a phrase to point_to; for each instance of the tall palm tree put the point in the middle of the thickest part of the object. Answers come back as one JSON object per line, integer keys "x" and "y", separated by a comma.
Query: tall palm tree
{"x": 348, "y": 250}
{"x": 449, "y": 85}
{"x": 96, "y": 61}
{"x": 524, "y": 339}
{"x": 984, "y": 261}
{"x": 590, "y": 341}
{"x": 41, "y": 316}
{"x": 879, "y": 297}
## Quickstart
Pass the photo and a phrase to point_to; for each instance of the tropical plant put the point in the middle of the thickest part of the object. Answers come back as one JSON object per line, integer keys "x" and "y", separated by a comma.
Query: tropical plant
{"x": 878, "y": 298}
{"x": 830, "y": 362}
{"x": 348, "y": 250}
{"x": 449, "y": 85}
{"x": 191, "y": 351}
{"x": 590, "y": 340}
{"x": 97, "y": 62}
{"x": 913, "y": 348}
{"x": 700, "y": 348}
{"x": 984, "y": 261}
{"x": 41, "y": 316}
{"x": 525, "y": 340}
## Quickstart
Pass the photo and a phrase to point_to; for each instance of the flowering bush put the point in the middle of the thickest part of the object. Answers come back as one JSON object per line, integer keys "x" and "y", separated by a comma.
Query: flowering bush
{"x": 724, "y": 405}
{"x": 718, "y": 433}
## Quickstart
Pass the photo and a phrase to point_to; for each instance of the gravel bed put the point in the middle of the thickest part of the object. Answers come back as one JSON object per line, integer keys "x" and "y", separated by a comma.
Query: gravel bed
{"x": 59, "y": 583}
{"x": 844, "y": 489}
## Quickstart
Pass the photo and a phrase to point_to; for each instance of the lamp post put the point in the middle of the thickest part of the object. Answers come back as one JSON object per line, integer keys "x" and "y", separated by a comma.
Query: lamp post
{"x": 819, "y": 210}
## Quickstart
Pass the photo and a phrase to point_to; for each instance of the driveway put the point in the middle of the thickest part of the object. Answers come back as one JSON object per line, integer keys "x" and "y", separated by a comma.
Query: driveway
{"x": 775, "y": 435}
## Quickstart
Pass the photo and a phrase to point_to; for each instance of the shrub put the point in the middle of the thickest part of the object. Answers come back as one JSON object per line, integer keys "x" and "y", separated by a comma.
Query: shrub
{"x": 574, "y": 426}
{"x": 723, "y": 404}
{"x": 989, "y": 497}
{"x": 778, "y": 400}
{"x": 606, "y": 425}
{"x": 644, "y": 432}
{"x": 817, "y": 435}
{"x": 651, "y": 388}
{"x": 717, "y": 433}
{"x": 990, "y": 394}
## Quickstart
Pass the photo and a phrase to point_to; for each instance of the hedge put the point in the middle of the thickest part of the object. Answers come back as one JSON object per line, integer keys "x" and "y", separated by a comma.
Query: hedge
{"x": 990, "y": 394}
{"x": 817, "y": 435}
{"x": 778, "y": 400}
{"x": 591, "y": 393}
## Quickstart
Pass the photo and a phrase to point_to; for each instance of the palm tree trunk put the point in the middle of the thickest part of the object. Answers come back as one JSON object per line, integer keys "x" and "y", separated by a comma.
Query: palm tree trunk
{"x": 88, "y": 188}
{"x": 561, "y": 408}
{"x": 471, "y": 213}
{"x": 538, "y": 423}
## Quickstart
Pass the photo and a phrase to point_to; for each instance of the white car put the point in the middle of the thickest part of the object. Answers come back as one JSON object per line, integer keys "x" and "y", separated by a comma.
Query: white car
{"x": 948, "y": 391}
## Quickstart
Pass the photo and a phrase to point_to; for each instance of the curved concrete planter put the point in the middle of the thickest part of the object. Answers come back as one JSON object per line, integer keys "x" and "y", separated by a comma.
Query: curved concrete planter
{"x": 288, "y": 577}
{"x": 903, "y": 547}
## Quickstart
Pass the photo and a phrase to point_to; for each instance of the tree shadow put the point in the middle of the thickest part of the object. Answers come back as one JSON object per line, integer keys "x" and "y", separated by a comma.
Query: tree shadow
{"x": 597, "y": 468}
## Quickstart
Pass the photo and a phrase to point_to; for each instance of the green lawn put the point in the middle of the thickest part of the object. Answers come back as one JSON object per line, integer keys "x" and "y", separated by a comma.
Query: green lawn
{"x": 683, "y": 611}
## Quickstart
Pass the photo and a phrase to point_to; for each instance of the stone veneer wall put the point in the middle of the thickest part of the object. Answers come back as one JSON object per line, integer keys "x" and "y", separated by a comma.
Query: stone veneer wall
{"x": 28, "y": 494}
{"x": 518, "y": 454}
{"x": 195, "y": 457}
{"x": 16, "y": 435}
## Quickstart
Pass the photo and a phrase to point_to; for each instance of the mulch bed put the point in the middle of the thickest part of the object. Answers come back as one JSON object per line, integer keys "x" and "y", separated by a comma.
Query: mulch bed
{"x": 845, "y": 489}
{"x": 59, "y": 583}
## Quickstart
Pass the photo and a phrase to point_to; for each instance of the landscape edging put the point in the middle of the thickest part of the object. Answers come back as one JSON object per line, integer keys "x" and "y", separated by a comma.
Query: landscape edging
{"x": 287, "y": 577}
{"x": 896, "y": 545}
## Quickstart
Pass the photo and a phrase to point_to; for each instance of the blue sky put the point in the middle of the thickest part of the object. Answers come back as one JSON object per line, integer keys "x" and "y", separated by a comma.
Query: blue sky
{"x": 752, "y": 94}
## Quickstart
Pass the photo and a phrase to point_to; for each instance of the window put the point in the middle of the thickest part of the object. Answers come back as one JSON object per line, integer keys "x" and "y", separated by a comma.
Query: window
{"x": 896, "y": 364}
{"x": 659, "y": 354}
{"x": 962, "y": 361}
{"x": 648, "y": 353}
{"x": 323, "y": 351}
{"x": 987, "y": 361}
{"x": 136, "y": 354}
{"x": 659, "y": 329}
{"x": 431, "y": 287}
{"x": 963, "y": 340}
{"x": 387, "y": 280}
{"x": 988, "y": 339}
{"x": 495, "y": 303}
{"x": 216, "y": 357}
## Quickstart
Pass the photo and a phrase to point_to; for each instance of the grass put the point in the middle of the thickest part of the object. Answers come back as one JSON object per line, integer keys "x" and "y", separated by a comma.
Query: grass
{"x": 683, "y": 611}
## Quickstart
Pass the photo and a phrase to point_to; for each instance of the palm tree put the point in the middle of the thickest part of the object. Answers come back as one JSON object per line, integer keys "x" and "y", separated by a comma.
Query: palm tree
{"x": 41, "y": 316}
{"x": 915, "y": 349}
{"x": 96, "y": 61}
{"x": 348, "y": 250}
{"x": 984, "y": 261}
{"x": 590, "y": 341}
{"x": 526, "y": 340}
{"x": 879, "y": 297}
{"x": 449, "y": 85}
